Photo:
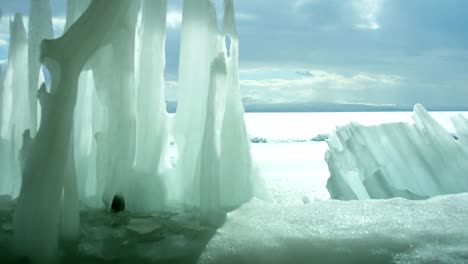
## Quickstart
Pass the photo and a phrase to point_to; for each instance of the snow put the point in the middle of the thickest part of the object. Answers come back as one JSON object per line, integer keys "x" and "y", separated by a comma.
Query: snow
{"x": 375, "y": 231}
{"x": 413, "y": 161}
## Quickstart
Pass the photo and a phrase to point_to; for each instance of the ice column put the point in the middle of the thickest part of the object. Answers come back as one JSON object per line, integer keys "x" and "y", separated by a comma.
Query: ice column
{"x": 1, "y": 96}
{"x": 238, "y": 177}
{"x": 40, "y": 27}
{"x": 210, "y": 206}
{"x": 199, "y": 44}
{"x": 15, "y": 96}
{"x": 115, "y": 83}
{"x": 151, "y": 107}
{"x": 44, "y": 158}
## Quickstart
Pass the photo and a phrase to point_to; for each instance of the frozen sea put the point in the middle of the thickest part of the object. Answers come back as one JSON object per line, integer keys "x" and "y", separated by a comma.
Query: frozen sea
{"x": 284, "y": 230}
{"x": 292, "y": 165}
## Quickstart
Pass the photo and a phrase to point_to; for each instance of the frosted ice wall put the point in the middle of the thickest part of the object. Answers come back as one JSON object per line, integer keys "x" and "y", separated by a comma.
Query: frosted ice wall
{"x": 44, "y": 159}
{"x": 413, "y": 161}
{"x": 39, "y": 28}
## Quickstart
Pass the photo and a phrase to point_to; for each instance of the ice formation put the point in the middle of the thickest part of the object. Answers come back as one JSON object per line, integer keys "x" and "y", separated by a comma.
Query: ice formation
{"x": 103, "y": 129}
{"x": 199, "y": 39}
{"x": 200, "y": 44}
{"x": 15, "y": 106}
{"x": 152, "y": 134}
{"x": 414, "y": 161}
{"x": 15, "y": 95}
{"x": 46, "y": 166}
{"x": 39, "y": 28}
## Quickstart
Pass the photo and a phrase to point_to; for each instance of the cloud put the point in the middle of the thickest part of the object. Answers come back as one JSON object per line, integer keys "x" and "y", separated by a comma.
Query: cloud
{"x": 368, "y": 11}
{"x": 59, "y": 24}
{"x": 245, "y": 17}
{"x": 174, "y": 19}
{"x": 319, "y": 85}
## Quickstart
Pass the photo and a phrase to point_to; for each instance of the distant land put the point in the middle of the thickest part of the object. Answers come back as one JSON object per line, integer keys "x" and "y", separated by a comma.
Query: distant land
{"x": 260, "y": 107}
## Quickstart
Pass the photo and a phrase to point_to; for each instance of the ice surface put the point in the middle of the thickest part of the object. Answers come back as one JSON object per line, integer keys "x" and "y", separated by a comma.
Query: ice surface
{"x": 413, "y": 161}
{"x": 376, "y": 231}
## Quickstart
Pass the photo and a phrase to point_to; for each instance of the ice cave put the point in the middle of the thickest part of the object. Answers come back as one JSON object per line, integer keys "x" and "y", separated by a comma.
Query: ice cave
{"x": 94, "y": 169}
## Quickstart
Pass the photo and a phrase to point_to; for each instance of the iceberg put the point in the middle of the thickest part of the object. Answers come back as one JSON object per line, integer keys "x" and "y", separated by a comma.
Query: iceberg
{"x": 413, "y": 161}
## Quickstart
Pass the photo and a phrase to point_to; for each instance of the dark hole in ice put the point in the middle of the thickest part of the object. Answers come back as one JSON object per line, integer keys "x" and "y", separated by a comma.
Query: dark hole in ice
{"x": 227, "y": 39}
{"x": 118, "y": 203}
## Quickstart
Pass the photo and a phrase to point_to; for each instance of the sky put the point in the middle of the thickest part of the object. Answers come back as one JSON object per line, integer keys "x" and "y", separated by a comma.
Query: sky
{"x": 373, "y": 52}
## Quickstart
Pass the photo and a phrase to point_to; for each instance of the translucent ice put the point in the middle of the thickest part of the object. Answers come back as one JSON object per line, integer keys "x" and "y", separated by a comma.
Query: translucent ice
{"x": 39, "y": 28}
{"x": 413, "y": 161}
{"x": 45, "y": 159}
{"x": 375, "y": 231}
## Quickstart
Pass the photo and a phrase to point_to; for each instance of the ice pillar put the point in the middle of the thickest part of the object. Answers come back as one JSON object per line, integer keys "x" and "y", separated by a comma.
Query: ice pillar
{"x": 199, "y": 43}
{"x": 44, "y": 158}
{"x": 40, "y": 27}
{"x": 238, "y": 177}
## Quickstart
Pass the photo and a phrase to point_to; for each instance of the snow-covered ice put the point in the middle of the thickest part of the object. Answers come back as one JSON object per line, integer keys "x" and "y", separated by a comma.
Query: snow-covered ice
{"x": 375, "y": 231}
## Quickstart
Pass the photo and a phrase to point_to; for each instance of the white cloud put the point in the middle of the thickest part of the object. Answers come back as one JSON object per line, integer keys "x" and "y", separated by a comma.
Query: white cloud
{"x": 313, "y": 85}
{"x": 3, "y": 43}
{"x": 368, "y": 12}
{"x": 174, "y": 19}
{"x": 245, "y": 16}
{"x": 59, "y": 23}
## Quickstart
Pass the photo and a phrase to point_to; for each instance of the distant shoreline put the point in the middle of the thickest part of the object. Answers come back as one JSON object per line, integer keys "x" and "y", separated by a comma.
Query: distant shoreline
{"x": 326, "y": 108}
